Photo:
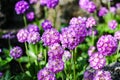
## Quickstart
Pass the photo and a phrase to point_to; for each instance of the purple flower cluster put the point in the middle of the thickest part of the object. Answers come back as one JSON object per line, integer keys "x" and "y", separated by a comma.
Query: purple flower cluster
{"x": 97, "y": 60}
{"x": 117, "y": 35}
{"x": 103, "y": 11}
{"x": 66, "y": 56}
{"x": 112, "y": 24}
{"x": 33, "y": 1}
{"x": 91, "y": 7}
{"x": 16, "y": 52}
{"x": 46, "y": 24}
{"x": 45, "y": 74}
{"x": 113, "y": 10}
{"x": 90, "y": 22}
{"x": 107, "y": 45}
{"x": 88, "y": 75}
{"x": 49, "y": 3}
{"x": 31, "y": 34}
{"x": 1, "y": 74}
{"x": 50, "y": 36}
{"x": 91, "y": 50}
{"x": 30, "y": 16}
{"x": 21, "y": 7}
{"x": 9, "y": 35}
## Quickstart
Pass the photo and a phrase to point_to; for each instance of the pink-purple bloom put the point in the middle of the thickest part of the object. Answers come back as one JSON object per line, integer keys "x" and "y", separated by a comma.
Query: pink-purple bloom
{"x": 66, "y": 56}
{"x": 97, "y": 60}
{"x": 103, "y": 11}
{"x": 1, "y": 74}
{"x": 107, "y": 45}
{"x": 46, "y": 24}
{"x": 117, "y": 35}
{"x": 43, "y": 2}
{"x": 88, "y": 75}
{"x": 112, "y": 24}
{"x": 90, "y": 22}
{"x": 113, "y": 10}
{"x": 33, "y": 1}
{"x": 16, "y": 52}
{"x": 33, "y": 28}
{"x": 21, "y": 7}
{"x": 30, "y": 16}
{"x": 91, "y": 50}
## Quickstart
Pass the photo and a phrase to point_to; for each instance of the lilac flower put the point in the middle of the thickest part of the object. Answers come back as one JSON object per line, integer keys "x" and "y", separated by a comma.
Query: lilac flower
{"x": 103, "y": 11}
{"x": 117, "y": 35}
{"x": 43, "y": 2}
{"x": 46, "y": 24}
{"x": 33, "y": 37}
{"x": 30, "y": 16}
{"x": 76, "y": 21}
{"x": 33, "y": 28}
{"x": 102, "y": 75}
{"x": 91, "y": 7}
{"x": 55, "y": 65}
{"x": 97, "y": 61}
{"x": 112, "y": 24}
{"x": 107, "y": 45}
{"x": 88, "y": 75}
{"x": 21, "y": 7}
{"x": 1, "y": 74}
{"x": 118, "y": 5}
{"x": 55, "y": 51}
{"x": 16, "y": 52}
{"x": 91, "y": 50}
{"x": 66, "y": 56}
{"x": 83, "y": 3}
{"x": 50, "y": 36}
{"x": 90, "y": 22}
{"x": 113, "y": 10}
{"x": 22, "y": 35}
{"x": 9, "y": 35}
{"x": 52, "y": 3}
{"x": 45, "y": 74}
{"x": 33, "y": 1}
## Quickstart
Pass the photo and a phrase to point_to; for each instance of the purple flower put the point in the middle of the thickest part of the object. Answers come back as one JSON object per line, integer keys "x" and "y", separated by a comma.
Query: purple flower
{"x": 9, "y": 35}
{"x": 33, "y": 28}
{"x": 97, "y": 61}
{"x": 30, "y": 16}
{"x": 50, "y": 36}
{"x": 33, "y": 37}
{"x": 55, "y": 51}
{"x": 112, "y": 24}
{"x": 55, "y": 65}
{"x": 102, "y": 75}
{"x": 66, "y": 56}
{"x": 33, "y": 1}
{"x": 88, "y": 75}
{"x": 1, "y": 74}
{"x": 43, "y": 2}
{"x": 76, "y": 21}
{"x": 117, "y": 35}
{"x": 46, "y": 24}
{"x": 16, "y": 52}
{"x": 113, "y": 10}
{"x": 107, "y": 45}
{"x": 91, "y": 50}
{"x": 91, "y": 7}
{"x": 21, "y": 7}
{"x": 83, "y": 3}
{"x": 103, "y": 11}
{"x": 118, "y": 5}
{"x": 90, "y": 22}
{"x": 52, "y": 3}
{"x": 45, "y": 74}
{"x": 22, "y": 35}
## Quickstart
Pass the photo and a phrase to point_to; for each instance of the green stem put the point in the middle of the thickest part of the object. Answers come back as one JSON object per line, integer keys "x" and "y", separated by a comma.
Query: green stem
{"x": 21, "y": 66}
{"x": 73, "y": 61}
{"x": 25, "y": 21}
{"x": 26, "y": 48}
{"x": 9, "y": 44}
{"x": 55, "y": 17}
{"x": 46, "y": 12}
{"x": 93, "y": 37}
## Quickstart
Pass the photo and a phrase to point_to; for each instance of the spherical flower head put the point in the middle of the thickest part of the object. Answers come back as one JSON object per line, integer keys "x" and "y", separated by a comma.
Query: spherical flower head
{"x": 1, "y": 74}
{"x": 117, "y": 35}
{"x": 91, "y": 7}
{"x": 107, "y": 45}
{"x": 16, "y": 52}
{"x": 83, "y": 3}
{"x": 88, "y": 75}
{"x": 30, "y": 16}
{"x": 118, "y": 5}
{"x": 103, "y": 11}
{"x": 102, "y": 75}
{"x": 50, "y": 36}
{"x": 76, "y": 21}
{"x": 43, "y": 2}
{"x": 66, "y": 56}
{"x": 33, "y": 28}
{"x": 52, "y": 3}
{"x": 113, "y": 10}
{"x": 55, "y": 65}
{"x": 97, "y": 61}
{"x": 22, "y": 35}
{"x": 90, "y": 22}
{"x": 21, "y": 7}
{"x": 112, "y": 24}
{"x": 45, "y": 74}
{"x": 55, "y": 51}
{"x": 33, "y": 1}
{"x": 91, "y": 50}
{"x": 33, "y": 37}
{"x": 46, "y": 24}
